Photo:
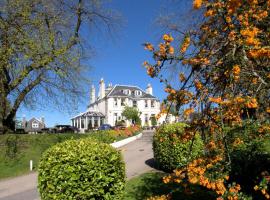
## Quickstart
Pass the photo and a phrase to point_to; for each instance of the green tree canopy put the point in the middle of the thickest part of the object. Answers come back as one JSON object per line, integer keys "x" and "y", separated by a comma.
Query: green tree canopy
{"x": 41, "y": 49}
{"x": 132, "y": 113}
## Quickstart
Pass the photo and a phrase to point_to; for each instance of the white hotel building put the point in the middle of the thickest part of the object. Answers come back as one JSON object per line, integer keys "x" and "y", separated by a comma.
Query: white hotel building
{"x": 108, "y": 106}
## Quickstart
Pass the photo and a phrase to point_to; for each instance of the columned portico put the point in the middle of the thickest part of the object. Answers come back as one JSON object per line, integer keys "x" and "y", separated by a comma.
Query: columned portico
{"x": 86, "y": 121}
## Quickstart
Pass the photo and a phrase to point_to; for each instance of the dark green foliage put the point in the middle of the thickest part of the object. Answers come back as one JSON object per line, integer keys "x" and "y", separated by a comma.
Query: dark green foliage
{"x": 12, "y": 146}
{"x": 81, "y": 169}
{"x": 250, "y": 159}
{"x": 150, "y": 184}
{"x": 170, "y": 151}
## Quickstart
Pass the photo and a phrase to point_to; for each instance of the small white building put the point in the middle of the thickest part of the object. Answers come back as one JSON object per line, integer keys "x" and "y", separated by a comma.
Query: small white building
{"x": 108, "y": 106}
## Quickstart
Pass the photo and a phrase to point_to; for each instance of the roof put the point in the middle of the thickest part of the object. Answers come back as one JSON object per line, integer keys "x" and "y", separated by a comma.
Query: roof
{"x": 118, "y": 91}
{"x": 35, "y": 119}
{"x": 89, "y": 114}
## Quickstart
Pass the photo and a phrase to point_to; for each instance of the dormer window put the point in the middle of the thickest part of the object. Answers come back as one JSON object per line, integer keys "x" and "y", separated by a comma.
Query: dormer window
{"x": 138, "y": 93}
{"x": 126, "y": 92}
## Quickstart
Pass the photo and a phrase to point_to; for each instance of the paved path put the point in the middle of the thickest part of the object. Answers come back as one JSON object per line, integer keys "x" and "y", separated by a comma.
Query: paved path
{"x": 137, "y": 155}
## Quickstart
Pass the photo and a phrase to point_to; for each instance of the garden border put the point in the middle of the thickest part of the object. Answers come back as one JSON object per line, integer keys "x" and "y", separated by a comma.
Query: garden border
{"x": 126, "y": 141}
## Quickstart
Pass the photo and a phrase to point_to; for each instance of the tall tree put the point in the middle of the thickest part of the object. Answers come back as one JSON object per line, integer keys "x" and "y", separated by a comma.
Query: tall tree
{"x": 41, "y": 50}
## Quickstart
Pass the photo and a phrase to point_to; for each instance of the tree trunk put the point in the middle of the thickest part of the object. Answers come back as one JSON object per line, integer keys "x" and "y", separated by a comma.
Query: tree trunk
{"x": 7, "y": 125}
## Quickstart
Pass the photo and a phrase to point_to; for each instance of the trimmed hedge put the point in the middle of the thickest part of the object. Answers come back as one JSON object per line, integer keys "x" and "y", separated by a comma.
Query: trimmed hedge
{"x": 81, "y": 169}
{"x": 170, "y": 151}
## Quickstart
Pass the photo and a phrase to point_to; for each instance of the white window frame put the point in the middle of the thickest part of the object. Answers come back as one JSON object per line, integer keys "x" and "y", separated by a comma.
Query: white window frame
{"x": 145, "y": 103}
{"x": 115, "y": 102}
{"x": 35, "y": 125}
{"x": 153, "y": 104}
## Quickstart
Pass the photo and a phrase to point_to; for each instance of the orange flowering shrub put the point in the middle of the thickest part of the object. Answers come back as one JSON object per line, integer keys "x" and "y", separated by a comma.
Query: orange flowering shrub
{"x": 224, "y": 78}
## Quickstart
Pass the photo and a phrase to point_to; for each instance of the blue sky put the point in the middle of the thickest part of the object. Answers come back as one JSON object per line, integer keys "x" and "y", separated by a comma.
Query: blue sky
{"x": 118, "y": 60}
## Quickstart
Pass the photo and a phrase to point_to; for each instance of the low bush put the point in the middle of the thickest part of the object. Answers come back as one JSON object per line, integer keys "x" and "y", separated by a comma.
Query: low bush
{"x": 110, "y": 136}
{"x": 171, "y": 150}
{"x": 81, "y": 169}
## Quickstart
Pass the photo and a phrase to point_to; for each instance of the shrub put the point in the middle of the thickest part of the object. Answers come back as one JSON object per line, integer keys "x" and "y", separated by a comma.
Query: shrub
{"x": 170, "y": 150}
{"x": 81, "y": 169}
{"x": 248, "y": 162}
{"x": 106, "y": 136}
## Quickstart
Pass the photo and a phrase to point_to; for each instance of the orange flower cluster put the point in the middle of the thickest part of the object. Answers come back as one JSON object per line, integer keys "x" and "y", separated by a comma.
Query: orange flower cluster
{"x": 167, "y": 38}
{"x": 185, "y": 44}
{"x": 237, "y": 142}
{"x": 250, "y": 34}
{"x": 182, "y": 77}
{"x": 197, "y": 4}
{"x": 264, "y": 129}
{"x": 236, "y": 70}
{"x": 209, "y": 13}
{"x": 195, "y": 174}
{"x": 196, "y": 61}
{"x": 149, "y": 47}
{"x": 188, "y": 111}
{"x": 233, "y": 5}
{"x": 162, "y": 197}
{"x": 151, "y": 71}
{"x": 259, "y": 53}
{"x": 252, "y": 103}
{"x": 233, "y": 192}
{"x": 198, "y": 85}
{"x": 217, "y": 100}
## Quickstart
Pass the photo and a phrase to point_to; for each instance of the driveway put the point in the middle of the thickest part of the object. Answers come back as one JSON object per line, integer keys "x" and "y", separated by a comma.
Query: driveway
{"x": 138, "y": 157}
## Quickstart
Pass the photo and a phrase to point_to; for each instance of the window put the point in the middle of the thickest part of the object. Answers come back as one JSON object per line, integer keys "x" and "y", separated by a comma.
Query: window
{"x": 127, "y": 92}
{"x": 138, "y": 93}
{"x": 145, "y": 104}
{"x": 134, "y": 103}
{"x": 34, "y": 125}
{"x": 152, "y": 104}
{"x": 122, "y": 102}
{"x": 115, "y": 102}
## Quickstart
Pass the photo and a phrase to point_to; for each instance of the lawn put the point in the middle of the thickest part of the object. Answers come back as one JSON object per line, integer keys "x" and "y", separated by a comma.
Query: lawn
{"x": 16, "y": 150}
{"x": 150, "y": 184}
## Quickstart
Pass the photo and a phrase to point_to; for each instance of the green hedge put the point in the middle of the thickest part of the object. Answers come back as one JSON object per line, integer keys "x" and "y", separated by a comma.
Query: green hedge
{"x": 81, "y": 169}
{"x": 170, "y": 151}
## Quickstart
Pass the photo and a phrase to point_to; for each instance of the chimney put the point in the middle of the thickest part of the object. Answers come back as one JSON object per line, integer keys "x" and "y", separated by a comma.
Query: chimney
{"x": 93, "y": 94}
{"x": 149, "y": 89}
{"x": 42, "y": 120}
{"x": 23, "y": 122}
{"x": 101, "y": 89}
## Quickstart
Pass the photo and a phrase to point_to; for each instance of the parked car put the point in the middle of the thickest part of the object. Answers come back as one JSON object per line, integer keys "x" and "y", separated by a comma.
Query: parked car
{"x": 66, "y": 129}
{"x": 105, "y": 127}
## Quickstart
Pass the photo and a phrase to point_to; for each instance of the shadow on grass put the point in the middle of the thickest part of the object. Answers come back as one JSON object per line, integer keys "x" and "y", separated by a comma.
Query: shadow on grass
{"x": 150, "y": 184}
